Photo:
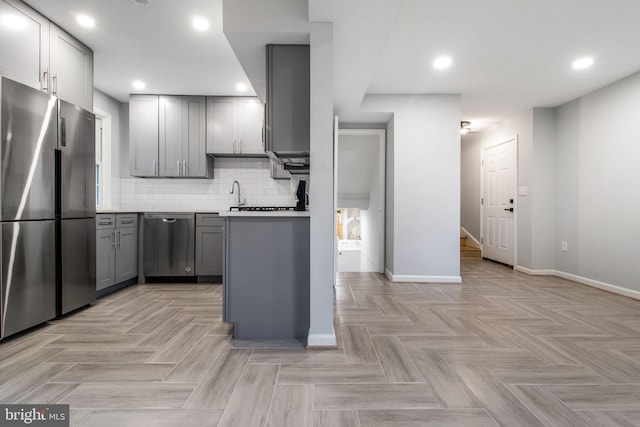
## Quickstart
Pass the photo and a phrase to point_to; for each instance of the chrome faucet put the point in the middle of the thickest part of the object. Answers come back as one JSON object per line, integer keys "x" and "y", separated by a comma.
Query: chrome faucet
{"x": 240, "y": 203}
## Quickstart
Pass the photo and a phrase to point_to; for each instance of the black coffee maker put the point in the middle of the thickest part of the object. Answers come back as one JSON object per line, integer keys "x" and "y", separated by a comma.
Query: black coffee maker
{"x": 301, "y": 195}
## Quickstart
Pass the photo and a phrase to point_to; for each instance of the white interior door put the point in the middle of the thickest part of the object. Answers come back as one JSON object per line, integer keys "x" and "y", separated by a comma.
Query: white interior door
{"x": 499, "y": 197}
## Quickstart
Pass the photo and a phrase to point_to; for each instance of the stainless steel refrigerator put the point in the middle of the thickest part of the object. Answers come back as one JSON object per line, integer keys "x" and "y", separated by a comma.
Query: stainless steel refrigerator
{"x": 27, "y": 206}
{"x": 76, "y": 208}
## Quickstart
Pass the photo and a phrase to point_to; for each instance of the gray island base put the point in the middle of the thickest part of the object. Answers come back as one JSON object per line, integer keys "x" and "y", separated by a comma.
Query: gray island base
{"x": 266, "y": 279}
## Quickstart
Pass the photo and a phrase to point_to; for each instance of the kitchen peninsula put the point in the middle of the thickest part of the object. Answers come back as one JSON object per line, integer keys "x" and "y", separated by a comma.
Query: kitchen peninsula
{"x": 266, "y": 275}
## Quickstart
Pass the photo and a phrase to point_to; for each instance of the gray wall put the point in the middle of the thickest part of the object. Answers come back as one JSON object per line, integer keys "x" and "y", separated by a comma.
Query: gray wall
{"x": 470, "y": 154}
{"x": 543, "y": 188}
{"x": 426, "y": 184}
{"x": 597, "y": 204}
{"x": 389, "y": 202}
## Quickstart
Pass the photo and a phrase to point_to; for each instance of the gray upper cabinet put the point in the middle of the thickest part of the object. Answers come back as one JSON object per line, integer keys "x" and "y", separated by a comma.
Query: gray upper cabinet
{"x": 194, "y": 137}
{"x": 143, "y": 135}
{"x": 71, "y": 65}
{"x": 24, "y": 43}
{"x": 168, "y": 137}
{"x": 38, "y": 53}
{"x": 287, "y": 114}
{"x": 234, "y": 126}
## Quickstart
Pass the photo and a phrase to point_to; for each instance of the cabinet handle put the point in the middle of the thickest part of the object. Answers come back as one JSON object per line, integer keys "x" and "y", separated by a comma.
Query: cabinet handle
{"x": 105, "y": 222}
{"x": 55, "y": 85}
{"x": 127, "y": 221}
{"x": 113, "y": 239}
{"x": 153, "y": 166}
{"x": 178, "y": 167}
{"x": 184, "y": 169}
{"x": 45, "y": 81}
{"x": 118, "y": 239}
{"x": 234, "y": 145}
{"x": 240, "y": 146}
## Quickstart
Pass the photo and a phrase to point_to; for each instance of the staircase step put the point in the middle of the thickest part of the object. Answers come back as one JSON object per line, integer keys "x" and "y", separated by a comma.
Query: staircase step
{"x": 470, "y": 252}
{"x": 463, "y": 240}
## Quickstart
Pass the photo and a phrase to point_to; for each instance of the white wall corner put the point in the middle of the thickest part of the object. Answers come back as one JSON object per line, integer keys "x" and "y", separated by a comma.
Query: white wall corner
{"x": 471, "y": 240}
{"x": 322, "y": 340}
{"x": 402, "y": 278}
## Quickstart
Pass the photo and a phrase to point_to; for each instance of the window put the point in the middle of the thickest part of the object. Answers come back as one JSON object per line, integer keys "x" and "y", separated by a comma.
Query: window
{"x": 99, "y": 161}
{"x": 103, "y": 158}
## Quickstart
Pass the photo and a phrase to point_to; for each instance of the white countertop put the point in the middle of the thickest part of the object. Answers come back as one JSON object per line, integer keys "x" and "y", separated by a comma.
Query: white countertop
{"x": 267, "y": 213}
{"x": 117, "y": 211}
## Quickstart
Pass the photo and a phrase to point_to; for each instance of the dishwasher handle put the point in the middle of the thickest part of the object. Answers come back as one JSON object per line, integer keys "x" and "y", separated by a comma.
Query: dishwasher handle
{"x": 169, "y": 220}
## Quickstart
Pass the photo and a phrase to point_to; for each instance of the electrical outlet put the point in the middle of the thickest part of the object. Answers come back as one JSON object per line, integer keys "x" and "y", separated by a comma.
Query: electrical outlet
{"x": 564, "y": 246}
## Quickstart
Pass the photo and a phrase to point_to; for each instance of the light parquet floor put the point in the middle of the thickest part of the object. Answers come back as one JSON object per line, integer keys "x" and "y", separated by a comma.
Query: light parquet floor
{"x": 502, "y": 348}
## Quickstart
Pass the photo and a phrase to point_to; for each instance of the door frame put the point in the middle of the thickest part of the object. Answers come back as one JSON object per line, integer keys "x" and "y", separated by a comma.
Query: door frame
{"x": 382, "y": 151}
{"x": 514, "y": 242}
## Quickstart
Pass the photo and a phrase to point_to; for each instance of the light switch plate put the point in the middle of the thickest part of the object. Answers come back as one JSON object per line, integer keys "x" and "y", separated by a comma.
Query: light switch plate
{"x": 523, "y": 190}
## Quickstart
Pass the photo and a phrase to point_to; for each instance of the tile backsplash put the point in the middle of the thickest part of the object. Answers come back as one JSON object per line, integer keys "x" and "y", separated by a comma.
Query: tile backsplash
{"x": 256, "y": 189}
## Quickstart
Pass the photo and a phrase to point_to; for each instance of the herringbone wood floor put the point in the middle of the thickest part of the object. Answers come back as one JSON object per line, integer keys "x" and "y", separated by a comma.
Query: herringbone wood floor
{"x": 501, "y": 348}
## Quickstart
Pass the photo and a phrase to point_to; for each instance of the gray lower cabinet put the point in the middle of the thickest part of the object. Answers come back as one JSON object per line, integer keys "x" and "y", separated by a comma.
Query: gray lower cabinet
{"x": 116, "y": 249}
{"x": 209, "y": 244}
{"x": 266, "y": 277}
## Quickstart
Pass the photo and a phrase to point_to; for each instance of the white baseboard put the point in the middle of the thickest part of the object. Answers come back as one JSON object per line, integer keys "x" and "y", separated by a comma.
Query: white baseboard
{"x": 474, "y": 243}
{"x": 531, "y": 272}
{"x": 600, "y": 285}
{"x": 322, "y": 340}
{"x": 422, "y": 279}
{"x": 583, "y": 281}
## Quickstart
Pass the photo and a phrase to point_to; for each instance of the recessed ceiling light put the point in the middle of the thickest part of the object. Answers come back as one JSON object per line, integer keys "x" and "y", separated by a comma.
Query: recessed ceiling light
{"x": 138, "y": 84}
{"x": 200, "y": 23}
{"x": 85, "y": 21}
{"x": 464, "y": 127}
{"x": 14, "y": 21}
{"x": 442, "y": 62}
{"x": 582, "y": 63}
{"x": 241, "y": 87}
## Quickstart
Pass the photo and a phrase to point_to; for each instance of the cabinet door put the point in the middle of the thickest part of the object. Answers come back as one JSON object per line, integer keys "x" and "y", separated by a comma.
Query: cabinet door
{"x": 194, "y": 137}
{"x": 105, "y": 258}
{"x": 71, "y": 69}
{"x": 221, "y": 125}
{"x": 170, "y": 136}
{"x": 288, "y": 98}
{"x": 209, "y": 251}
{"x": 143, "y": 135}
{"x": 24, "y": 43}
{"x": 250, "y": 113}
{"x": 126, "y": 253}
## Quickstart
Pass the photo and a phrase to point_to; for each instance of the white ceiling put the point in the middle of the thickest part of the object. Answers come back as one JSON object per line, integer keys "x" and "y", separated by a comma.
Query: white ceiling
{"x": 156, "y": 44}
{"x": 508, "y": 55}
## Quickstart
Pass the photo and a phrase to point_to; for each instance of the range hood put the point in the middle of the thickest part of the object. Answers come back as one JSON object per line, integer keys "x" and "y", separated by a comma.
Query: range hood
{"x": 297, "y": 163}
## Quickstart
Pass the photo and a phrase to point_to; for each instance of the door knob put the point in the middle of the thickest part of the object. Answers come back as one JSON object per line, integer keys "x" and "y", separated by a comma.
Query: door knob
{"x": 509, "y": 209}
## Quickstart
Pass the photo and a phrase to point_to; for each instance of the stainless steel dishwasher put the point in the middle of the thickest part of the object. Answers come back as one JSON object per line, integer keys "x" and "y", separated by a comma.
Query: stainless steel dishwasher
{"x": 169, "y": 248}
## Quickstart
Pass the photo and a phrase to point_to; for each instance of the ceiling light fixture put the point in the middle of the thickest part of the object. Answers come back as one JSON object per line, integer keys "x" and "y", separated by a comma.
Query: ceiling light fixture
{"x": 85, "y": 21}
{"x": 242, "y": 87}
{"x": 582, "y": 63}
{"x": 442, "y": 62}
{"x": 138, "y": 84}
{"x": 200, "y": 23}
{"x": 464, "y": 127}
